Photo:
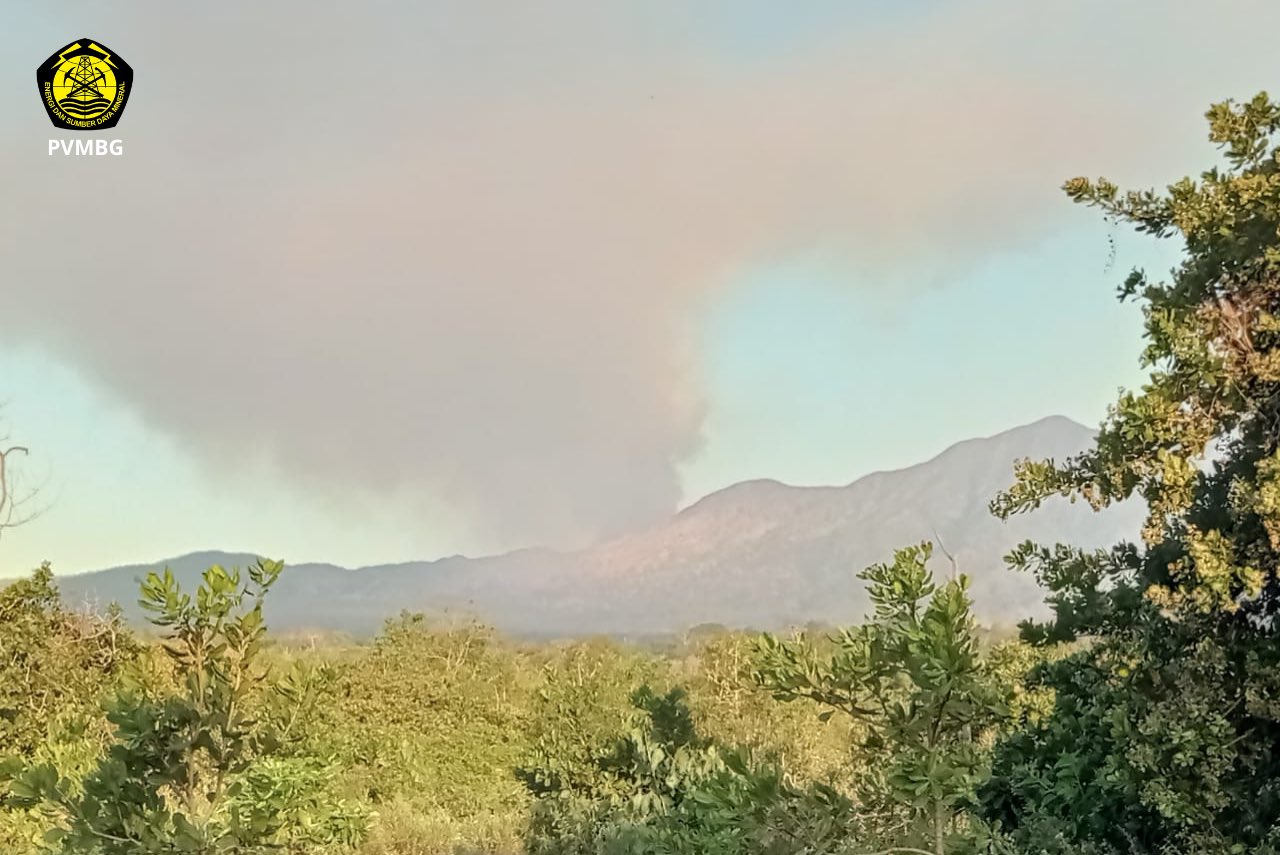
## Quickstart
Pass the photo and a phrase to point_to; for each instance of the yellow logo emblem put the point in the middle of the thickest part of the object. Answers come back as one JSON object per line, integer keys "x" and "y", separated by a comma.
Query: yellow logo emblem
{"x": 85, "y": 86}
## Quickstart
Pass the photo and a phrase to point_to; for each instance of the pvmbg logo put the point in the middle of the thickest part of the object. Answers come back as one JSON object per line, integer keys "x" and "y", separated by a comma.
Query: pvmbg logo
{"x": 84, "y": 86}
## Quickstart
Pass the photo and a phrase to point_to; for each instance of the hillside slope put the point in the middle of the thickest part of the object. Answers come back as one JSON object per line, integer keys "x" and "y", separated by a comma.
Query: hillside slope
{"x": 758, "y": 553}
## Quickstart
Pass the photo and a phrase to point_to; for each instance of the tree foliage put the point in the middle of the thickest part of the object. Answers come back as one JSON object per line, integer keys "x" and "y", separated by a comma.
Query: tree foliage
{"x": 659, "y": 787}
{"x": 193, "y": 763}
{"x": 52, "y": 660}
{"x": 912, "y": 676}
{"x": 56, "y": 666}
{"x": 1166, "y": 732}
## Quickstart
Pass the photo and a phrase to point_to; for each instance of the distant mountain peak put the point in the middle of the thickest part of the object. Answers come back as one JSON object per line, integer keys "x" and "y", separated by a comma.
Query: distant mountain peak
{"x": 1034, "y": 433}
{"x": 738, "y": 491}
{"x": 758, "y": 553}
{"x": 1049, "y": 428}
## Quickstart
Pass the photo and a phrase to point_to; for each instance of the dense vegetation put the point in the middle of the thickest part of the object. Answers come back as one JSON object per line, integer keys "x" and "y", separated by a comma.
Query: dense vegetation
{"x": 1143, "y": 718}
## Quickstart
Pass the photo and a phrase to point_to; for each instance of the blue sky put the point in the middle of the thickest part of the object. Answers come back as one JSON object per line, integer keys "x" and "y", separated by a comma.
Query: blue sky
{"x": 817, "y": 383}
{"x": 522, "y": 278}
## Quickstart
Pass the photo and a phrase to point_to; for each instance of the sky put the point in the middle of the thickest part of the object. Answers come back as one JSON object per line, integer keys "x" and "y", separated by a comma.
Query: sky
{"x": 389, "y": 281}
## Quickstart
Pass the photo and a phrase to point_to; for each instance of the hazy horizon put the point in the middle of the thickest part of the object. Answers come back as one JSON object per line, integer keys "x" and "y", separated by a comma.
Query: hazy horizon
{"x": 245, "y": 549}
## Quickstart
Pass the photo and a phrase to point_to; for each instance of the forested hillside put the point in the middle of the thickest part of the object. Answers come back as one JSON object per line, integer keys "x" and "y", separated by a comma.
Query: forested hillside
{"x": 1140, "y": 716}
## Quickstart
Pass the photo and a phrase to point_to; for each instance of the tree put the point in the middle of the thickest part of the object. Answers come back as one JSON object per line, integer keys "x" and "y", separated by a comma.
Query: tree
{"x": 431, "y": 712}
{"x": 194, "y": 765}
{"x": 1166, "y": 731}
{"x": 51, "y": 659}
{"x": 912, "y": 677}
{"x": 56, "y": 667}
{"x": 660, "y": 787}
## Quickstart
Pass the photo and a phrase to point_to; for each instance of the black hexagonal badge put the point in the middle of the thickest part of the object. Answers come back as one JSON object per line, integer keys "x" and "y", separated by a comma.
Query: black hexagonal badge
{"x": 84, "y": 86}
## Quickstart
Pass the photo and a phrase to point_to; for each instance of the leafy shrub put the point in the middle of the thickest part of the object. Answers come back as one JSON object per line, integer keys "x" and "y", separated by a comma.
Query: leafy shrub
{"x": 430, "y": 720}
{"x": 914, "y": 678}
{"x": 185, "y": 760}
{"x": 659, "y": 787}
{"x": 56, "y": 666}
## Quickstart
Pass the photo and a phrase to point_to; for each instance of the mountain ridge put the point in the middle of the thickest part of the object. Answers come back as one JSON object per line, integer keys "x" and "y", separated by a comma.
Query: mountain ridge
{"x": 758, "y": 553}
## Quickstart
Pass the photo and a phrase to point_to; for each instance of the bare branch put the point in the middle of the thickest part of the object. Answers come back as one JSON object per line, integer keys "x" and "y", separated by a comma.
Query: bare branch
{"x": 7, "y": 501}
{"x": 13, "y": 502}
{"x": 955, "y": 567}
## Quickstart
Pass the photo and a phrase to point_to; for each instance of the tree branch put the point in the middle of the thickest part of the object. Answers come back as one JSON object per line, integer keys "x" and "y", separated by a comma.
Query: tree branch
{"x": 955, "y": 567}
{"x": 10, "y": 501}
{"x": 7, "y": 502}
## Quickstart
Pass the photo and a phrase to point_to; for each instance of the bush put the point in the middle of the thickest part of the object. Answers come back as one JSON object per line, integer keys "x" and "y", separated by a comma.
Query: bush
{"x": 190, "y": 767}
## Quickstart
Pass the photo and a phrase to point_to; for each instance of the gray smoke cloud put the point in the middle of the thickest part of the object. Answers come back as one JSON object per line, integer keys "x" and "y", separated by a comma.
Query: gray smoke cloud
{"x": 456, "y": 249}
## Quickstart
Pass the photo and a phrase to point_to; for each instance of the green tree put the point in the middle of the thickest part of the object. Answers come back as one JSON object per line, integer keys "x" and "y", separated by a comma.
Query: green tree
{"x": 731, "y": 709}
{"x": 659, "y": 787}
{"x": 185, "y": 756}
{"x": 913, "y": 678}
{"x": 56, "y": 666}
{"x": 1165, "y": 735}
{"x": 428, "y": 722}
{"x": 611, "y": 797}
{"x": 51, "y": 660}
